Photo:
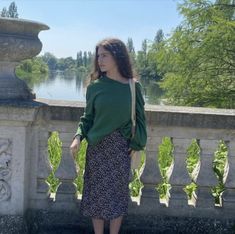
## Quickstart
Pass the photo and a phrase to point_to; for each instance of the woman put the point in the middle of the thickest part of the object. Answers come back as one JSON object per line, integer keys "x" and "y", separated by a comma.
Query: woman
{"x": 106, "y": 125}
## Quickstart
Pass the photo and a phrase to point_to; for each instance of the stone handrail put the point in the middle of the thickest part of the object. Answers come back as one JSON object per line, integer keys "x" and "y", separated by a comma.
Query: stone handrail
{"x": 24, "y": 163}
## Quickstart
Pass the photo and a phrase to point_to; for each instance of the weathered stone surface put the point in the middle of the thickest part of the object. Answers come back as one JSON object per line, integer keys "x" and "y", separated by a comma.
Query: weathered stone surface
{"x": 29, "y": 124}
{"x": 19, "y": 40}
{"x": 13, "y": 224}
{"x": 5, "y": 168}
{"x": 195, "y": 117}
{"x": 43, "y": 222}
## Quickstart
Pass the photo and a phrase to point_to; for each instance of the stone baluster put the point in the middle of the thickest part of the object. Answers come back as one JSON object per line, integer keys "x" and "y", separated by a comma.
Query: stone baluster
{"x": 180, "y": 177}
{"x": 66, "y": 173}
{"x": 44, "y": 167}
{"x": 206, "y": 178}
{"x": 229, "y": 194}
{"x": 151, "y": 175}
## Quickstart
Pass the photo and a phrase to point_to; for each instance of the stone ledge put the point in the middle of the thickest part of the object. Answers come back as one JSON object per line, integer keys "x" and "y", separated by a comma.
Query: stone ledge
{"x": 13, "y": 224}
{"x": 43, "y": 222}
{"x": 194, "y": 117}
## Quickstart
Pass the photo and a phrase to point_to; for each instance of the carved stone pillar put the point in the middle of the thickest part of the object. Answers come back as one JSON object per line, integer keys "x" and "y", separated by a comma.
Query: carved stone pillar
{"x": 15, "y": 158}
{"x": 5, "y": 169}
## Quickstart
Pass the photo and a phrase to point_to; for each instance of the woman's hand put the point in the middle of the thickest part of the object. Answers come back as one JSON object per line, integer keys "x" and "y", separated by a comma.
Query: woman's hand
{"x": 130, "y": 152}
{"x": 74, "y": 147}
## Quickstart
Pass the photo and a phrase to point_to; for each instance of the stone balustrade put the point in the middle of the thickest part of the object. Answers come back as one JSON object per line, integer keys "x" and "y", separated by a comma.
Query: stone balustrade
{"x": 24, "y": 164}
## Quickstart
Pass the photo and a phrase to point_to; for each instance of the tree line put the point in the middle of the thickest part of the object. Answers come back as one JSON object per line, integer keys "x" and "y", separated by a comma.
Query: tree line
{"x": 195, "y": 65}
{"x": 82, "y": 63}
{"x": 10, "y": 12}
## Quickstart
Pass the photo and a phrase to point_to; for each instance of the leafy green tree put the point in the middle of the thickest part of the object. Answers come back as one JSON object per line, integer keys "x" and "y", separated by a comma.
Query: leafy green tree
{"x": 69, "y": 63}
{"x": 35, "y": 65}
{"x": 4, "y": 12}
{"x": 60, "y": 65}
{"x": 131, "y": 50}
{"x": 141, "y": 61}
{"x": 159, "y": 36}
{"x": 50, "y": 60}
{"x": 85, "y": 59}
{"x": 12, "y": 11}
{"x": 130, "y": 45}
{"x": 79, "y": 59}
{"x": 146, "y": 61}
{"x": 198, "y": 60}
{"x": 90, "y": 60}
{"x": 32, "y": 71}
{"x": 153, "y": 72}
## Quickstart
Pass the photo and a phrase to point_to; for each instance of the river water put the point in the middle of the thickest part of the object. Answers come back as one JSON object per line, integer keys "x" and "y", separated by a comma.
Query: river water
{"x": 70, "y": 86}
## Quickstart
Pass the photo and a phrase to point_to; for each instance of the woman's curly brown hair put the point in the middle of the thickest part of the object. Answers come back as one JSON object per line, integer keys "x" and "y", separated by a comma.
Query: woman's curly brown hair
{"x": 120, "y": 54}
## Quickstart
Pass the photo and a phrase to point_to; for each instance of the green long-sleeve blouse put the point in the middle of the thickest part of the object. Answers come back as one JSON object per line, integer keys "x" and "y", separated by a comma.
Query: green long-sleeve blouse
{"x": 108, "y": 108}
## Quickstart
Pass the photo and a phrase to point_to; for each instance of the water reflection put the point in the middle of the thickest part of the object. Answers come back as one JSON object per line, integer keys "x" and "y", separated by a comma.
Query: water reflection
{"x": 34, "y": 79}
{"x": 72, "y": 86}
{"x": 152, "y": 92}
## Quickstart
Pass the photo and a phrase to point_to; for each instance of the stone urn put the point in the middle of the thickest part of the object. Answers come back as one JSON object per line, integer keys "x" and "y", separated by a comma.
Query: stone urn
{"x": 18, "y": 41}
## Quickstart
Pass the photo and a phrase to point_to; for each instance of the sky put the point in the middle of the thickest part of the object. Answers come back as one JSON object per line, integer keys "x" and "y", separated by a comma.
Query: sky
{"x": 80, "y": 24}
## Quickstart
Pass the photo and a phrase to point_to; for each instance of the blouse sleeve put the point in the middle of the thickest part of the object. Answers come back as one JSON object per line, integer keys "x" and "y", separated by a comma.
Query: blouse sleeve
{"x": 138, "y": 142}
{"x": 86, "y": 120}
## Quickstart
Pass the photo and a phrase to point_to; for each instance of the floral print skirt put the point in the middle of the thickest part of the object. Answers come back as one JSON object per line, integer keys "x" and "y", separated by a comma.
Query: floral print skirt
{"x": 106, "y": 178}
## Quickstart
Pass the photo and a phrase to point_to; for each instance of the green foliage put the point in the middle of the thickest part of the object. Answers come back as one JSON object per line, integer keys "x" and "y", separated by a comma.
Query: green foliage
{"x": 220, "y": 159}
{"x": 220, "y": 164}
{"x": 193, "y": 157}
{"x": 136, "y": 185}
{"x": 159, "y": 36}
{"x": 152, "y": 91}
{"x": 165, "y": 163}
{"x": 50, "y": 60}
{"x": 131, "y": 50}
{"x": 163, "y": 190}
{"x": 32, "y": 71}
{"x": 80, "y": 160}
{"x": 4, "y": 12}
{"x": 217, "y": 192}
{"x": 82, "y": 62}
{"x": 198, "y": 59}
{"x": 55, "y": 153}
{"x": 165, "y": 157}
{"x": 34, "y": 66}
{"x": 146, "y": 62}
{"x": 192, "y": 162}
{"x": 190, "y": 189}
{"x": 11, "y": 12}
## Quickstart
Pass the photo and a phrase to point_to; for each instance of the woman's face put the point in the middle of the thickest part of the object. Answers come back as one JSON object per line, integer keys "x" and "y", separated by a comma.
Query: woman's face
{"x": 106, "y": 61}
